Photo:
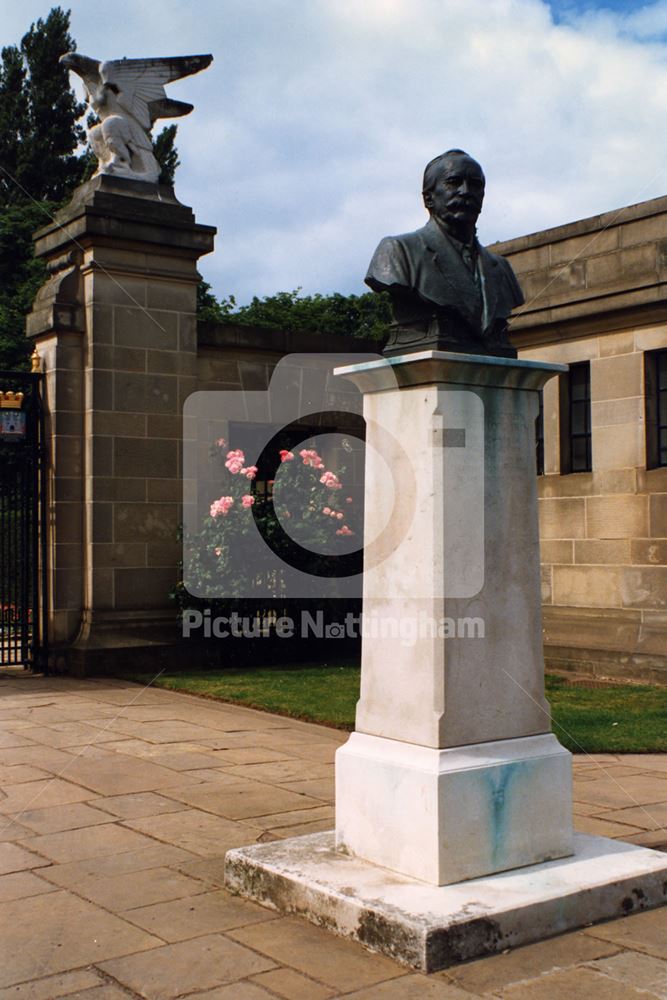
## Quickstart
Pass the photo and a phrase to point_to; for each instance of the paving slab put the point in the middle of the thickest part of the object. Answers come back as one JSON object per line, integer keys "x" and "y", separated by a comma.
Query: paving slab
{"x": 241, "y": 799}
{"x": 46, "y": 758}
{"x": 18, "y": 885}
{"x": 109, "y": 991}
{"x": 56, "y": 818}
{"x": 205, "y": 913}
{"x": 334, "y": 961}
{"x": 575, "y": 984}
{"x": 195, "y": 831}
{"x": 641, "y": 971}
{"x": 411, "y": 988}
{"x": 239, "y": 991}
{"x": 498, "y": 971}
{"x": 11, "y": 830}
{"x": 167, "y": 972}
{"x": 650, "y": 817}
{"x": 69, "y": 734}
{"x": 135, "y": 805}
{"x": 293, "y": 985}
{"x": 40, "y": 794}
{"x": 58, "y": 931}
{"x": 619, "y": 793}
{"x": 74, "y": 872}
{"x": 15, "y": 858}
{"x": 118, "y": 774}
{"x": 644, "y": 932}
{"x": 14, "y": 774}
{"x": 138, "y": 889}
{"x": 89, "y": 842}
{"x": 53, "y": 987}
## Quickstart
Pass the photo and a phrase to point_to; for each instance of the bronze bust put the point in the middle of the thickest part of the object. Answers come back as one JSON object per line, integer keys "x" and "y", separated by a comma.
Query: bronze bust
{"x": 447, "y": 292}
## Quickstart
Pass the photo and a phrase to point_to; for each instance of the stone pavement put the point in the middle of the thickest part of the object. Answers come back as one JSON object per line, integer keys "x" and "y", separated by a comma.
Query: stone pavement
{"x": 118, "y": 804}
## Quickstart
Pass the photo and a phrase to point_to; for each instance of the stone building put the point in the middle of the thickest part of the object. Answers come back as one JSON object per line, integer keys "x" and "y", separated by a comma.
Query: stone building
{"x": 596, "y": 298}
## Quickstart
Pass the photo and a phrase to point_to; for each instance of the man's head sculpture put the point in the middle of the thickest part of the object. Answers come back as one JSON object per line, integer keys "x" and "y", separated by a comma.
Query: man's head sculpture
{"x": 447, "y": 291}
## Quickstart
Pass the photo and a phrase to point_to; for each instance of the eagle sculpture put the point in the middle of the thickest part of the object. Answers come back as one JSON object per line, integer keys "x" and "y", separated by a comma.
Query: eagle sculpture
{"x": 128, "y": 96}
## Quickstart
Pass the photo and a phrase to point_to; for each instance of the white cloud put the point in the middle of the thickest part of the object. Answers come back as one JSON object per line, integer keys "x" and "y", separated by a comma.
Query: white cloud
{"x": 312, "y": 127}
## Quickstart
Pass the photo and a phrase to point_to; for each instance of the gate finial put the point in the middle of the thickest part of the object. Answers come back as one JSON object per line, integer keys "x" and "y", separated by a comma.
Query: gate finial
{"x": 36, "y": 362}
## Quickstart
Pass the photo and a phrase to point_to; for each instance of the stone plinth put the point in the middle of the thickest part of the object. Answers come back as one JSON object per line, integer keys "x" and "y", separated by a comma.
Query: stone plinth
{"x": 115, "y": 326}
{"x": 429, "y": 927}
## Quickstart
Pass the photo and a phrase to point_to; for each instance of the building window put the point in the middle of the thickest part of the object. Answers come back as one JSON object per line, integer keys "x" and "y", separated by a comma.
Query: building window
{"x": 575, "y": 419}
{"x": 539, "y": 435}
{"x": 655, "y": 370}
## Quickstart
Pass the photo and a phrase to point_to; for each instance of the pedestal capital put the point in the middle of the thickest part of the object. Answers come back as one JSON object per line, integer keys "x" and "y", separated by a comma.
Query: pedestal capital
{"x": 433, "y": 367}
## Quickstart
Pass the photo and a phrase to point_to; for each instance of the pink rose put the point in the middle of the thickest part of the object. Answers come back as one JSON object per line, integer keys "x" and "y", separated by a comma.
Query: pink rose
{"x": 332, "y": 513}
{"x": 339, "y": 516}
{"x": 331, "y": 481}
{"x": 218, "y": 552}
{"x": 310, "y": 457}
{"x": 221, "y": 443}
{"x": 221, "y": 507}
{"x": 235, "y": 461}
{"x": 326, "y": 510}
{"x": 344, "y": 531}
{"x": 250, "y": 472}
{"x": 247, "y": 500}
{"x": 286, "y": 456}
{"x": 348, "y": 500}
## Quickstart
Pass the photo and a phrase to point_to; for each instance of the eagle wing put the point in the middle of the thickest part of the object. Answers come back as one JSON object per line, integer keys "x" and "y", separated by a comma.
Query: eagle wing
{"x": 140, "y": 84}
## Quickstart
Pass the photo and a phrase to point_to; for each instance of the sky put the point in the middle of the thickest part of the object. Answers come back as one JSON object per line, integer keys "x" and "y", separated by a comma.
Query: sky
{"x": 315, "y": 120}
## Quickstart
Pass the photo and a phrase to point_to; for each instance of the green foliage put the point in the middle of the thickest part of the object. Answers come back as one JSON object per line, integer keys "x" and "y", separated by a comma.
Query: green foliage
{"x": 367, "y": 315}
{"x": 39, "y": 165}
{"x": 166, "y": 154}
{"x": 39, "y": 114}
{"x": 210, "y": 309}
{"x": 21, "y": 276}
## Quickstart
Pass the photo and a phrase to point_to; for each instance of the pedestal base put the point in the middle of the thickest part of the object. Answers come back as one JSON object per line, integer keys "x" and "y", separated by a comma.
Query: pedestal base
{"x": 442, "y": 816}
{"x": 430, "y": 927}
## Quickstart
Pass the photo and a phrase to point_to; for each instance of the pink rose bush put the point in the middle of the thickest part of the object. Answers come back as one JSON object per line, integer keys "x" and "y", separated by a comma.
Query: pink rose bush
{"x": 297, "y": 511}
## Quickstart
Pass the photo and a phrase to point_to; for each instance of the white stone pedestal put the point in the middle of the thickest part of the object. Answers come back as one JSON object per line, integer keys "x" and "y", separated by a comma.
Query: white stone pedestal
{"x": 442, "y": 816}
{"x": 453, "y": 760}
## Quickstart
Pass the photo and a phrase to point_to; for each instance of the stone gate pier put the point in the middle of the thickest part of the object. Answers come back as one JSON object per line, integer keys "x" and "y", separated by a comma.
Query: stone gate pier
{"x": 115, "y": 328}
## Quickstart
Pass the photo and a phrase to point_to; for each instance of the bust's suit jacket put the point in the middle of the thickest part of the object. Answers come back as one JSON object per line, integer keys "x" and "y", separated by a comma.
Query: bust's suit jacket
{"x": 427, "y": 263}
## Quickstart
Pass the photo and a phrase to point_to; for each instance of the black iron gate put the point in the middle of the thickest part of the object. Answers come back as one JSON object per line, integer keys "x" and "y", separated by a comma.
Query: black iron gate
{"x": 22, "y": 522}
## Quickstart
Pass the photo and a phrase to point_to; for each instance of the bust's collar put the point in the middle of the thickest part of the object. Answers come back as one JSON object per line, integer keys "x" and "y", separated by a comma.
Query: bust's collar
{"x": 435, "y": 224}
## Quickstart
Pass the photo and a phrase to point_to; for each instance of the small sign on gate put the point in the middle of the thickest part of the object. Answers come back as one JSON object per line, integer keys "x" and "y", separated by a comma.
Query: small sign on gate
{"x": 12, "y": 417}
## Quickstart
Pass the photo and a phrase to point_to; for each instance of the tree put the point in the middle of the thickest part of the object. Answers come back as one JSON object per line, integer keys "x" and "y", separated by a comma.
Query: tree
{"x": 166, "y": 153}
{"x": 39, "y": 121}
{"x": 367, "y": 315}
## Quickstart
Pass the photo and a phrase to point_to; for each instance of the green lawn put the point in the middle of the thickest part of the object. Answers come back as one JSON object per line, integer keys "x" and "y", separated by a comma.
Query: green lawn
{"x": 605, "y": 720}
